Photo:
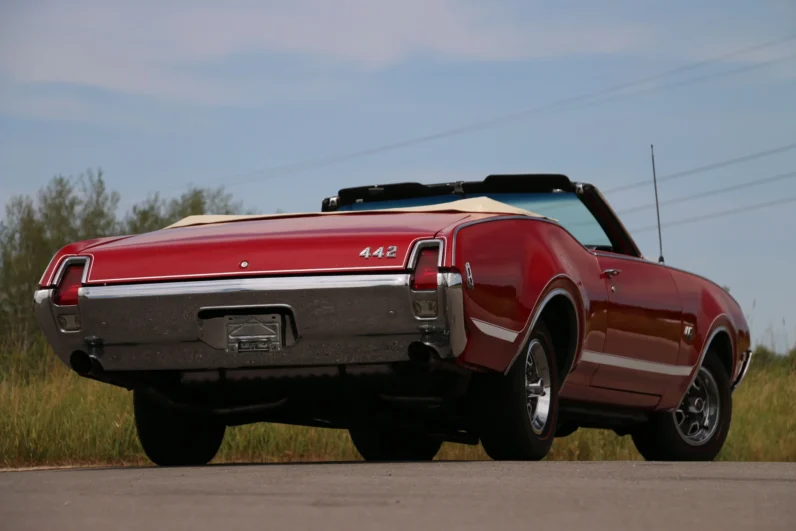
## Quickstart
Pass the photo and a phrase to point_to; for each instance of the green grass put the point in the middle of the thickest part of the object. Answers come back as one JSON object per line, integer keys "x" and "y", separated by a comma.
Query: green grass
{"x": 57, "y": 418}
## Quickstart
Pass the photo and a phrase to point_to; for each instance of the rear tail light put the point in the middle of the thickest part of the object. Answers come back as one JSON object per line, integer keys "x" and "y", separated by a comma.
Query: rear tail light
{"x": 66, "y": 292}
{"x": 424, "y": 277}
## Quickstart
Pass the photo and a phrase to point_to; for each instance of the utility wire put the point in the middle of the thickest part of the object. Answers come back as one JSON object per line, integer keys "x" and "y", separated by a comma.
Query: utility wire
{"x": 293, "y": 168}
{"x": 707, "y": 167}
{"x": 722, "y": 213}
{"x": 710, "y": 193}
{"x": 691, "y": 81}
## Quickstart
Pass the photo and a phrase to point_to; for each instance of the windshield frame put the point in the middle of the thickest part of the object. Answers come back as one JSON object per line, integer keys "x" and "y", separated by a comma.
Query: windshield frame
{"x": 621, "y": 241}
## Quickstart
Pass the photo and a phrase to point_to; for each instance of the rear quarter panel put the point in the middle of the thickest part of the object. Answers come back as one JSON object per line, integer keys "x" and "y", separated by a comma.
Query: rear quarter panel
{"x": 515, "y": 262}
{"x": 707, "y": 307}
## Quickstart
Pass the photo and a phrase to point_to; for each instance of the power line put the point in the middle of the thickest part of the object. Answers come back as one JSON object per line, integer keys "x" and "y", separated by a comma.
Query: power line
{"x": 710, "y": 193}
{"x": 722, "y": 213}
{"x": 694, "y": 80}
{"x": 293, "y": 168}
{"x": 707, "y": 167}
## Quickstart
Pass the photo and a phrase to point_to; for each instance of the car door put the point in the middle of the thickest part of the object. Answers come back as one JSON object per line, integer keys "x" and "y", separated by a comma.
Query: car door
{"x": 644, "y": 326}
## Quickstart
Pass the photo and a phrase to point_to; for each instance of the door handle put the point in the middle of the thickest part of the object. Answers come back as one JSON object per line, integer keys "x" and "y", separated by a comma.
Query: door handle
{"x": 611, "y": 272}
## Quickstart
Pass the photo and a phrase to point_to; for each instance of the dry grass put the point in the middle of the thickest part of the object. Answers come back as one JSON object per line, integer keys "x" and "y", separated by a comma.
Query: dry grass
{"x": 61, "y": 419}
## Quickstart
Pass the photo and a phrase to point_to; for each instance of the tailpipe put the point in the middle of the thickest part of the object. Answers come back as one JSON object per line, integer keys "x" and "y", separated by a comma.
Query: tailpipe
{"x": 85, "y": 364}
{"x": 423, "y": 353}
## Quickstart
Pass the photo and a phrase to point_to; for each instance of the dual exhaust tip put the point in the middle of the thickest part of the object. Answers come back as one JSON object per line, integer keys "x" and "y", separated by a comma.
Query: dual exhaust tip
{"x": 423, "y": 353}
{"x": 85, "y": 364}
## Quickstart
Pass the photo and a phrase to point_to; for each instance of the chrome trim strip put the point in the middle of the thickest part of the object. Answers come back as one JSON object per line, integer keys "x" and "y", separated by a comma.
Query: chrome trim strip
{"x": 407, "y": 263}
{"x": 41, "y": 295}
{"x": 706, "y": 346}
{"x": 48, "y": 281}
{"x": 71, "y": 260}
{"x": 496, "y": 331}
{"x": 244, "y": 284}
{"x": 418, "y": 245}
{"x": 634, "y": 364}
{"x": 539, "y": 309}
{"x": 410, "y": 258}
{"x": 744, "y": 368}
{"x": 454, "y": 312}
{"x": 239, "y": 273}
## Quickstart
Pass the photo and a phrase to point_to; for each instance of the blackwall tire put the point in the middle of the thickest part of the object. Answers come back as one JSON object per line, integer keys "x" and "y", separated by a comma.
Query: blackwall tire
{"x": 516, "y": 422}
{"x": 170, "y": 438}
{"x": 697, "y": 430}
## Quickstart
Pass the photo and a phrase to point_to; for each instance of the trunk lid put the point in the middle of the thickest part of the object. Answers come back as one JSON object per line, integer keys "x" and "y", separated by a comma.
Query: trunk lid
{"x": 277, "y": 246}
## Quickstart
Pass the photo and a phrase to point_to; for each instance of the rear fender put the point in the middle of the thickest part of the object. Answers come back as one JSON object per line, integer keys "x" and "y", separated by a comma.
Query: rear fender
{"x": 516, "y": 266}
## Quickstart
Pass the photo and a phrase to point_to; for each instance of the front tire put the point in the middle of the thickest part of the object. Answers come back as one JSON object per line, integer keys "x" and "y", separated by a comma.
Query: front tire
{"x": 697, "y": 429}
{"x": 375, "y": 444}
{"x": 173, "y": 439}
{"x": 519, "y": 411}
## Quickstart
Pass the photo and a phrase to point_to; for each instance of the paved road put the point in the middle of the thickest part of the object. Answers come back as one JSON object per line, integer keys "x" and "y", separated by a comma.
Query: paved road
{"x": 435, "y": 496}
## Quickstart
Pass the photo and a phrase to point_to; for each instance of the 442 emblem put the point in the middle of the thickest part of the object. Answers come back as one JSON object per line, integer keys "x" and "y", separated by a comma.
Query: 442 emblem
{"x": 391, "y": 252}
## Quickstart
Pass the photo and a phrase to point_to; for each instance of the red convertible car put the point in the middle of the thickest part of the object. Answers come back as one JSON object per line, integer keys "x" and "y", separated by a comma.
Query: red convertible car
{"x": 508, "y": 311}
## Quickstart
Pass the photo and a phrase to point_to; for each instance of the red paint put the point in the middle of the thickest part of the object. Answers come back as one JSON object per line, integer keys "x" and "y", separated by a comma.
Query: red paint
{"x": 707, "y": 307}
{"x": 293, "y": 245}
{"x": 73, "y": 249}
{"x": 644, "y": 322}
{"x": 516, "y": 263}
{"x": 66, "y": 292}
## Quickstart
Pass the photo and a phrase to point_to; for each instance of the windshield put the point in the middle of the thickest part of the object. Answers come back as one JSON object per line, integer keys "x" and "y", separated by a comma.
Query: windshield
{"x": 565, "y": 207}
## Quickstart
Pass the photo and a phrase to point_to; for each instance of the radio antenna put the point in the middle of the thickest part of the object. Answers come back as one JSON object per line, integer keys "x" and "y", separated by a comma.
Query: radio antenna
{"x": 657, "y": 208}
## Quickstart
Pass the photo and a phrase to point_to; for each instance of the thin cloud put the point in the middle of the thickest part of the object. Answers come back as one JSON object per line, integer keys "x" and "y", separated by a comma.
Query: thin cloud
{"x": 175, "y": 50}
{"x": 169, "y": 49}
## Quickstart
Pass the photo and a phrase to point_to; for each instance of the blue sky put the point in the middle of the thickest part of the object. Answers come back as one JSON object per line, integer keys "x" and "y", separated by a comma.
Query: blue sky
{"x": 163, "y": 94}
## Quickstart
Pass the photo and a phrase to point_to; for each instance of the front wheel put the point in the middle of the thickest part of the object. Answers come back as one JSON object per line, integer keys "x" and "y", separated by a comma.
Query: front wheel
{"x": 697, "y": 429}
{"x": 518, "y": 416}
{"x": 173, "y": 439}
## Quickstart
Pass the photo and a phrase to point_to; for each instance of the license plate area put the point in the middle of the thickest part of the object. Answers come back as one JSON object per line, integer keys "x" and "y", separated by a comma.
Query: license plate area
{"x": 254, "y": 333}
{"x": 248, "y": 330}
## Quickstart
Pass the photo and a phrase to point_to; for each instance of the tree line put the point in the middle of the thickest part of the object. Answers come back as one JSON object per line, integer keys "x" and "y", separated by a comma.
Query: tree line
{"x": 69, "y": 209}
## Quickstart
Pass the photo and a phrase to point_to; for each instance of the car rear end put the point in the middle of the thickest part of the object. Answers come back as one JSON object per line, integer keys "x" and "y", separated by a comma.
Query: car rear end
{"x": 352, "y": 310}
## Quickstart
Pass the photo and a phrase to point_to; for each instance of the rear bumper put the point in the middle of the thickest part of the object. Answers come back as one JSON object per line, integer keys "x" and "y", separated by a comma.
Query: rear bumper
{"x": 323, "y": 320}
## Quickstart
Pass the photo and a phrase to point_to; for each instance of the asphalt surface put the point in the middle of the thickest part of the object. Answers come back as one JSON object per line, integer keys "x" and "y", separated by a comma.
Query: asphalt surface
{"x": 439, "y": 496}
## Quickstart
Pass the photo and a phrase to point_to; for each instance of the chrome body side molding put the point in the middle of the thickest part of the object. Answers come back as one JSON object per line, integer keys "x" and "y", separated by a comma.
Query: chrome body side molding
{"x": 624, "y": 362}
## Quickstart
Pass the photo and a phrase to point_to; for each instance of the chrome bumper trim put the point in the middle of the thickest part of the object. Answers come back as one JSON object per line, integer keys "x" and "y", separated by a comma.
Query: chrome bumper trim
{"x": 744, "y": 368}
{"x": 340, "y": 319}
{"x": 205, "y": 287}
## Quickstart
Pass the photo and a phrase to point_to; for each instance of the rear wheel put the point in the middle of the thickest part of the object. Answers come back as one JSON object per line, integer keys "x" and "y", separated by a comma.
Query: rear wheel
{"x": 519, "y": 410}
{"x": 173, "y": 439}
{"x": 390, "y": 444}
{"x": 697, "y": 429}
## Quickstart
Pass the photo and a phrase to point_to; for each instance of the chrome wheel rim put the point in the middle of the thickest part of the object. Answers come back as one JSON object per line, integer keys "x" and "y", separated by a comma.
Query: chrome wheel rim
{"x": 537, "y": 386}
{"x": 697, "y": 416}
